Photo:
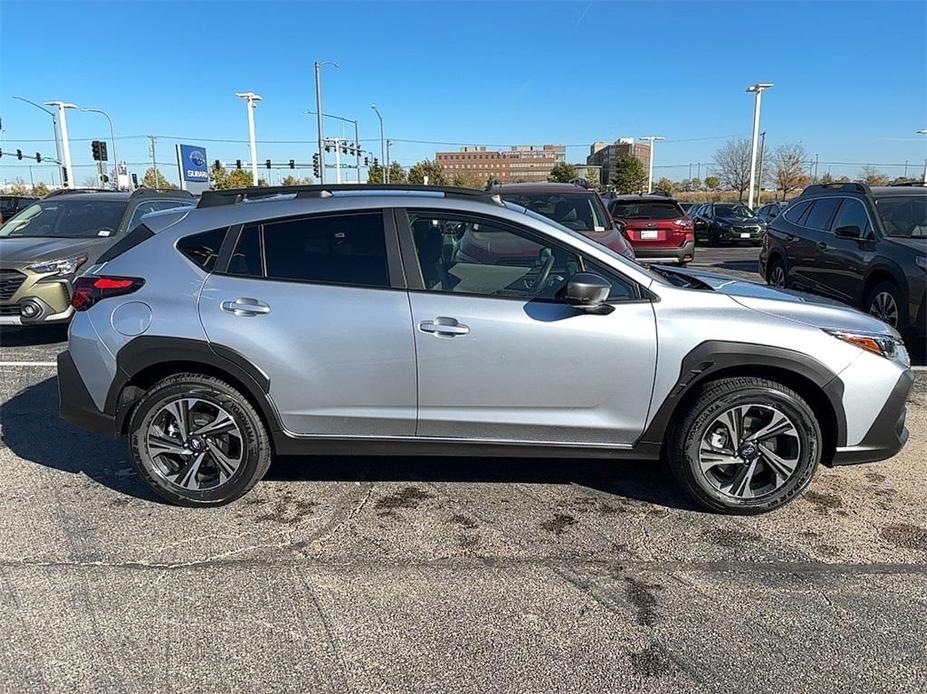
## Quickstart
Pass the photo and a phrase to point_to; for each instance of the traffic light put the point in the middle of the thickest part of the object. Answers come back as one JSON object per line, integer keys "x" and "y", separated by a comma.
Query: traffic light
{"x": 97, "y": 150}
{"x": 366, "y": 161}
{"x": 375, "y": 162}
{"x": 328, "y": 148}
{"x": 103, "y": 154}
{"x": 217, "y": 164}
{"x": 238, "y": 164}
{"x": 315, "y": 164}
{"x": 344, "y": 149}
{"x": 135, "y": 180}
{"x": 38, "y": 158}
{"x": 19, "y": 154}
{"x": 292, "y": 164}
{"x": 267, "y": 163}
{"x": 1, "y": 152}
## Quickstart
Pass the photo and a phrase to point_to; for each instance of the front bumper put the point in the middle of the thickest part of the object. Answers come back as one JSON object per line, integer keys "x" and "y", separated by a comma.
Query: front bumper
{"x": 888, "y": 433}
{"x": 29, "y": 299}
{"x": 736, "y": 234}
{"x": 75, "y": 404}
{"x": 679, "y": 254}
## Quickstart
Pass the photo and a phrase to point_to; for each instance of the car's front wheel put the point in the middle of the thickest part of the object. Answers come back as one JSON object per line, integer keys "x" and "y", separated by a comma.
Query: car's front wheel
{"x": 886, "y": 303}
{"x": 197, "y": 441}
{"x": 745, "y": 446}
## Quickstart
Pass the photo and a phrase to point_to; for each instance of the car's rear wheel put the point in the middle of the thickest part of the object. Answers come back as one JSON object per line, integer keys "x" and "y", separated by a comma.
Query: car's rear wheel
{"x": 776, "y": 274}
{"x": 197, "y": 441}
{"x": 745, "y": 446}
{"x": 714, "y": 240}
{"x": 886, "y": 303}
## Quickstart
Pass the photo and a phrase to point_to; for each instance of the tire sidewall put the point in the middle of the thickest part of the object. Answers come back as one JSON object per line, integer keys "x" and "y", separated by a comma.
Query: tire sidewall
{"x": 802, "y": 417}
{"x": 243, "y": 478}
{"x": 902, "y": 307}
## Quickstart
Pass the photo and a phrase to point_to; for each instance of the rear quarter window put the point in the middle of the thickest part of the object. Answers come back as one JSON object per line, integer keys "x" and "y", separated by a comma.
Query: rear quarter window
{"x": 203, "y": 249}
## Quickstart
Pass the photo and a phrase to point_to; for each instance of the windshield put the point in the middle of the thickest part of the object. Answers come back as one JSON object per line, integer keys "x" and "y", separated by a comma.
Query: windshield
{"x": 647, "y": 210}
{"x": 737, "y": 211}
{"x": 66, "y": 219}
{"x": 904, "y": 216}
{"x": 577, "y": 211}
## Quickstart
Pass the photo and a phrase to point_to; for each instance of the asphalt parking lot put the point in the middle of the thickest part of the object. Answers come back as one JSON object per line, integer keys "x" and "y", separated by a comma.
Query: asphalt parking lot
{"x": 398, "y": 575}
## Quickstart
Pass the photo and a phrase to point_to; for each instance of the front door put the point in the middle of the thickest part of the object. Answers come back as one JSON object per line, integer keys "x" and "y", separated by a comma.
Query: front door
{"x": 310, "y": 303}
{"x": 500, "y": 359}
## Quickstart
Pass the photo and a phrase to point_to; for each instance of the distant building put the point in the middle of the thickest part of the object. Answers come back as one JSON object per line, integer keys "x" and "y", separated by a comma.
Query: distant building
{"x": 604, "y": 155}
{"x": 528, "y": 163}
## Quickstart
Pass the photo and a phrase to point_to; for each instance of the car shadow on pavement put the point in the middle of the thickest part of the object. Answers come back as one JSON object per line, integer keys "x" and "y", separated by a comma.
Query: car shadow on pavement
{"x": 11, "y": 336}
{"x": 32, "y": 430}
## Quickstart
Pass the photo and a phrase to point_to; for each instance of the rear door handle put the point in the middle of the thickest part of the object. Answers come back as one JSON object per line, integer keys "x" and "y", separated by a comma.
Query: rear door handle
{"x": 443, "y": 325}
{"x": 245, "y": 306}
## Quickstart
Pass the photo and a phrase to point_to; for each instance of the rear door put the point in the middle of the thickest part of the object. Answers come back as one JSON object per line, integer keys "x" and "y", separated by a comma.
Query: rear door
{"x": 500, "y": 358}
{"x": 317, "y": 304}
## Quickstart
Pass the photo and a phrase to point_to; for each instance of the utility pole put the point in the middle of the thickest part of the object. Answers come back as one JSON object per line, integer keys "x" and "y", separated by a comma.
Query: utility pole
{"x": 318, "y": 109}
{"x": 383, "y": 156}
{"x": 923, "y": 132}
{"x": 251, "y": 101}
{"x": 62, "y": 107}
{"x": 112, "y": 135}
{"x": 759, "y": 175}
{"x": 757, "y": 90}
{"x": 152, "y": 142}
{"x": 389, "y": 144}
{"x": 652, "y": 139}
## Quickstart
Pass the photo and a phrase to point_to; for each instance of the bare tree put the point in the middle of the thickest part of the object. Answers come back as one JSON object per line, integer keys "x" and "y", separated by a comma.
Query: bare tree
{"x": 871, "y": 176}
{"x": 732, "y": 163}
{"x": 787, "y": 171}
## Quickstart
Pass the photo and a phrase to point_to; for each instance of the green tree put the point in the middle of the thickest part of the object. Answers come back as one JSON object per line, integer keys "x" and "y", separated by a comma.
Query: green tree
{"x": 465, "y": 180}
{"x": 223, "y": 179}
{"x": 432, "y": 169}
{"x": 871, "y": 176}
{"x": 375, "y": 174}
{"x": 664, "y": 185}
{"x": 40, "y": 189}
{"x": 628, "y": 174}
{"x": 712, "y": 183}
{"x": 562, "y": 173}
{"x": 153, "y": 178}
{"x": 397, "y": 174}
{"x": 493, "y": 181}
{"x": 290, "y": 180}
{"x": 19, "y": 187}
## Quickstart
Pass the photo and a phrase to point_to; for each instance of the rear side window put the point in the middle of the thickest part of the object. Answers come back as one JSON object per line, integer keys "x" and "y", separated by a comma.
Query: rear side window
{"x": 130, "y": 240}
{"x": 343, "y": 249}
{"x": 203, "y": 249}
{"x": 821, "y": 214}
{"x": 795, "y": 212}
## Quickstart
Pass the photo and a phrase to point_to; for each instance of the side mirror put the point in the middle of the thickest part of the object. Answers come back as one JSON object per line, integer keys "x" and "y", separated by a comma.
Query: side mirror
{"x": 588, "y": 292}
{"x": 853, "y": 232}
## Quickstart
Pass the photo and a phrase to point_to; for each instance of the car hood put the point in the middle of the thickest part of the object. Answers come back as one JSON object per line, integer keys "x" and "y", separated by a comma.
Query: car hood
{"x": 24, "y": 251}
{"x": 919, "y": 244}
{"x": 740, "y": 220}
{"x": 800, "y": 307}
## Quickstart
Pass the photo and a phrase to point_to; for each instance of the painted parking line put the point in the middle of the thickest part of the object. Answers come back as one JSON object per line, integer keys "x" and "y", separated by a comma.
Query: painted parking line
{"x": 28, "y": 363}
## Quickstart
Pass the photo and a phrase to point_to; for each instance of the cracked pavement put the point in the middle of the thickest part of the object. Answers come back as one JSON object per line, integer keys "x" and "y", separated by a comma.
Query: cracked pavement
{"x": 471, "y": 575}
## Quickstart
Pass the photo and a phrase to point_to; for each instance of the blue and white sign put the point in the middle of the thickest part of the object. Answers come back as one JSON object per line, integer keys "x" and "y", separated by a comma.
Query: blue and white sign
{"x": 193, "y": 168}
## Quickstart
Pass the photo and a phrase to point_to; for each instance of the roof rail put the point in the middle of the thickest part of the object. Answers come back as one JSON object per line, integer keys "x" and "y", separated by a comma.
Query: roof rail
{"x": 826, "y": 187}
{"x": 910, "y": 184}
{"x": 62, "y": 191}
{"x": 143, "y": 191}
{"x": 216, "y": 198}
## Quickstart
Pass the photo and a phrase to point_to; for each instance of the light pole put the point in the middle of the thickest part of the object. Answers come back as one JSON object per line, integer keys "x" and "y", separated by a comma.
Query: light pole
{"x": 54, "y": 129}
{"x": 651, "y": 139}
{"x": 759, "y": 175}
{"x": 62, "y": 107}
{"x": 357, "y": 147}
{"x": 251, "y": 100}
{"x": 318, "y": 109}
{"x": 112, "y": 136}
{"x": 757, "y": 89}
{"x": 923, "y": 131}
{"x": 382, "y": 145}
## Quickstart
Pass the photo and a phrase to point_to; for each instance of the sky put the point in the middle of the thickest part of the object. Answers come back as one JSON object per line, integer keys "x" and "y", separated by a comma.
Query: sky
{"x": 850, "y": 77}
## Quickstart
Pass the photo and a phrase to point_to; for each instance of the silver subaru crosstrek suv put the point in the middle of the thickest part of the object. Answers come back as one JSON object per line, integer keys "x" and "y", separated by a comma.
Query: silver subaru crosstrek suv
{"x": 440, "y": 321}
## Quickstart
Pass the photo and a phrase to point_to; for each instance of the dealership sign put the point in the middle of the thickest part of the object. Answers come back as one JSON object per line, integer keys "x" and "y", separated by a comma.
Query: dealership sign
{"x": 191, "y": 164}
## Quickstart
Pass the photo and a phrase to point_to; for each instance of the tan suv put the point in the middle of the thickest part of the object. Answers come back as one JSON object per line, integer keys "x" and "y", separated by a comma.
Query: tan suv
{"x": 44, "y": 246}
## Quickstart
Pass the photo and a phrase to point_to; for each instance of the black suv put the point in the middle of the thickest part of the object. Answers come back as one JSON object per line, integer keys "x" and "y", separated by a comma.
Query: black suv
{"x": 864, "y": 246}
{"x": 771, "y": 210}
{"x": 728, "y": 222}
{"x": 11, "y": 204}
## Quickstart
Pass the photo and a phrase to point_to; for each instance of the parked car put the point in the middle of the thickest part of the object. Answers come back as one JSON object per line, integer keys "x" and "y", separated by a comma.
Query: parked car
{"x": 771, "y": 210}
{"x": 337, "y": 320}
{"x": 728, "y": 222}
{"x": 45, "y": 246}
{"x": 11, "y": 204}
{"x": 656, "y": 226}
{"x": 864, "y": 246}
{"x": 572, "y": 206}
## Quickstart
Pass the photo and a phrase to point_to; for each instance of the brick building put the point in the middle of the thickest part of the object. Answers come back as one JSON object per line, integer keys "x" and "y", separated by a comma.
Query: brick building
{"x": 604, "y": 154}
{"x": 528, "y": 163}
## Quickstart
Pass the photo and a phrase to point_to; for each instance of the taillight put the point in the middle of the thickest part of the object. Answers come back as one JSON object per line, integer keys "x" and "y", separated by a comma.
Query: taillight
{"x": 89, "y": 289}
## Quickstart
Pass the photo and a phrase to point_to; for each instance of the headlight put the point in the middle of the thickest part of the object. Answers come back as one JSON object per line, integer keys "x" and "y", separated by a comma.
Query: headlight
{"x": 62, "y": 266}
{"x": 921, "y": 260}
{"x": 883, "y": 345}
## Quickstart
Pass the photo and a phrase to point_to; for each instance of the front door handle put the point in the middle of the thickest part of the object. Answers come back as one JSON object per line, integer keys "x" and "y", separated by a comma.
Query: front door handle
{"x": 443, "y": 325}
{"x": 245, "y": 306}
{"x": 822, "y": 246}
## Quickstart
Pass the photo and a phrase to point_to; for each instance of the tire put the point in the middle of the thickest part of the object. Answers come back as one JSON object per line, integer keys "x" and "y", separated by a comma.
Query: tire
{"x": 695, "y": 453}
{"x": 775, "y": 269}
{"x": 155, "y": 437}
{"x": 886, "y": 303}
{"x": 713, "y": 240}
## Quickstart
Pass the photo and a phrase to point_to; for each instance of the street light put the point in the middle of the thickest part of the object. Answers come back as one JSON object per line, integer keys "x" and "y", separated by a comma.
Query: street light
{"x": 54, "y": 129}
{"x": 112, "y": 135}
{"x": 382, "y": 145}
{"x": 652, "y": 139}
{"x": 923, "y": 132}
{"x": 318, "y": 108}
{"x": 251, "y": 100}
{"x": 758, "y": 90}
{"x": 62, "y": 107}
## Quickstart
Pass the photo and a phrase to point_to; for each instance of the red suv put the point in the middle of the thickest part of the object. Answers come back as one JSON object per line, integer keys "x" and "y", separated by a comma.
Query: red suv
{"x": 657, "y": 228}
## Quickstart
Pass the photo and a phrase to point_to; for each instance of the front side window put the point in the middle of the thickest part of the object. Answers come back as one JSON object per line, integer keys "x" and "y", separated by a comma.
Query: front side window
{"x": 904, "y": 216}
{"x": 852, "y": 214}
{"x": 75, "y": 218}
{"x": 472, "y": 256}
{"x": 343, "y": 249}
